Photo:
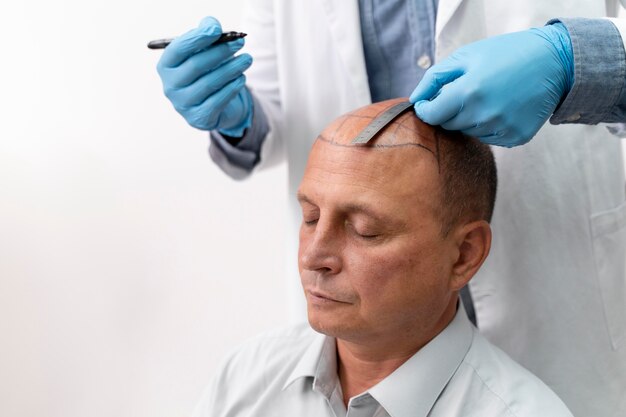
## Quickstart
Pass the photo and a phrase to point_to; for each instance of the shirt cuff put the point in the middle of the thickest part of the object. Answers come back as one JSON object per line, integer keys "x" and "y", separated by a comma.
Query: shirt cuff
{"x": 238, "y": 161}
{"x": 599, "y": 72}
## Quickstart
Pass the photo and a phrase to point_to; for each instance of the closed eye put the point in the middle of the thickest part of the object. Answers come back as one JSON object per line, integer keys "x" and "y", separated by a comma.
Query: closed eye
{"x": 368, "y": 237}
{"x": 362, "y": 234}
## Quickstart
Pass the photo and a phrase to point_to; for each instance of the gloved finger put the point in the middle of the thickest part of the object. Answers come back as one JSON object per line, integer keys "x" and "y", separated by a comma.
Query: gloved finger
{"x": 500, "y": 131}
{"x": 434, "y": 79}
{"x": 200, "y": 64}
{"x": 442, "y": 108}
{"x": 206, "y": 115}
{"x": 461, "y": 122}
{"x": 486, "y": 130}
{"x": 479, "y": 121}
{"x": 497, "y": 139}
{"x": 210, "y": 83}
{"x": 191, "y": 43}
{"x": 237, "y": 114}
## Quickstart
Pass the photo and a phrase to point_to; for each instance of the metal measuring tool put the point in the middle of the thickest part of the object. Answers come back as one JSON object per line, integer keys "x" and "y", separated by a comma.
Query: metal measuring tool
{"x": 381, "y": 121}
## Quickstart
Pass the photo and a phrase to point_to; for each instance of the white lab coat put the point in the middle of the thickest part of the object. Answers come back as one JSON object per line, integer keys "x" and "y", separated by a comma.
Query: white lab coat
{"x": 552, "y": 293}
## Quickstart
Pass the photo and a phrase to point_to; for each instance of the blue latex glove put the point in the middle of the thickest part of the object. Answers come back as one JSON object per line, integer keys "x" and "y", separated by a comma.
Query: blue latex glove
{"x": 205, "y": 82}
{"x": 500, "y": 89}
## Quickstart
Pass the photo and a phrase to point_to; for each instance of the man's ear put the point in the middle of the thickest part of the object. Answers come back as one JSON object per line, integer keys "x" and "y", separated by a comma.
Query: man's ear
{"x": 473, "y": 242}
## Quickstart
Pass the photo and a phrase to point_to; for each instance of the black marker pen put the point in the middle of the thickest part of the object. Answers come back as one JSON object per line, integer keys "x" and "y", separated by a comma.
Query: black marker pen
{"x": 225, "y": 37}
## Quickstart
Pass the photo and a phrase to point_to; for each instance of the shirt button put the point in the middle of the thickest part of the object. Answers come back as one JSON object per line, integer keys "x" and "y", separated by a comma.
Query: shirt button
{"x": 424, "y": 62}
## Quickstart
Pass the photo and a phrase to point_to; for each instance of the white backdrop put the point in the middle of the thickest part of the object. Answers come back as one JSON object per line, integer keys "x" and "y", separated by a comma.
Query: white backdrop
{"x": 121, "y": 245}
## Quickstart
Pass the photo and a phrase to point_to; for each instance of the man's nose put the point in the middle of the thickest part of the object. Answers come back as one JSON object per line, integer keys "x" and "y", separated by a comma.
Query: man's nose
{"x": 321, "y": 249}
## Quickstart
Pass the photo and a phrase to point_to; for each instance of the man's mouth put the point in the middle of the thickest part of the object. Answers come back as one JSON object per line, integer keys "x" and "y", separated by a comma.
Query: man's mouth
{"x": 321, "y": 297}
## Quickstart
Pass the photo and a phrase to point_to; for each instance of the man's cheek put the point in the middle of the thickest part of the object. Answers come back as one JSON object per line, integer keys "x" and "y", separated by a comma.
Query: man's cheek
{"x": 373, "y": 271}
{"x": 303, "y": 242}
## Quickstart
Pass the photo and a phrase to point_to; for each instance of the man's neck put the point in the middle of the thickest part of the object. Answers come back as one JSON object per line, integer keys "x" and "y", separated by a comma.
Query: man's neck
{"x": 358, "y": 371}
{"x": 362, "y": 365}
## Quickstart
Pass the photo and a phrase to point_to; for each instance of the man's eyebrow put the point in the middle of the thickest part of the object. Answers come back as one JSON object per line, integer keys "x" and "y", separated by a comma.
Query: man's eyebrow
{"x": 368, "y": 211}
{"x": 302, "y": 198}
{"x": 355, "y": 208}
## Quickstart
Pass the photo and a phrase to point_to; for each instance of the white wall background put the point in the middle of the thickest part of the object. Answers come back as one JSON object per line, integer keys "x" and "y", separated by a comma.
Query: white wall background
{"x": 121, "y": 280}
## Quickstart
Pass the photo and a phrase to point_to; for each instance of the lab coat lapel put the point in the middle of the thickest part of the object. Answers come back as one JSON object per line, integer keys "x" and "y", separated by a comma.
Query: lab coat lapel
{"x": 345, "y": 26}
{"x": 445, "y": 11}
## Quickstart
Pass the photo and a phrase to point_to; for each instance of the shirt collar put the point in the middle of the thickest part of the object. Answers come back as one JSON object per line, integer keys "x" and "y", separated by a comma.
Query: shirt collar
{"x": 319, "y": 361}
{"x": 413, "y": 388}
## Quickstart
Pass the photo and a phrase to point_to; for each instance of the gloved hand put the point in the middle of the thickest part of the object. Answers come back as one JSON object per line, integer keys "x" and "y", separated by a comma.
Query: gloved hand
{"x": 500, "y": 89}
{"x": 205, "y": 83}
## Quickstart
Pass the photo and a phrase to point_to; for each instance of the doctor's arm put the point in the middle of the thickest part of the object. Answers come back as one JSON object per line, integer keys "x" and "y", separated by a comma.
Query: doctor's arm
{"x": 261, "y": 145}
{"x": 207, "y": 86}
{"x": 204, "y": 81}
{"x": 237, "y": 156}
{"x": 599, "y": 91}
{"x": 503, "y": 89}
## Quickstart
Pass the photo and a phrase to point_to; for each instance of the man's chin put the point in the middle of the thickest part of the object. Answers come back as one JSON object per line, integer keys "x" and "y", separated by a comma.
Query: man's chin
{"x": 330, "y": 326}
{"x": 322, "y": 324}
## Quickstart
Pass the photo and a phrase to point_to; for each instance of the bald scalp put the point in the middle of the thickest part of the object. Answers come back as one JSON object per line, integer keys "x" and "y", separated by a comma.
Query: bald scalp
{"x": 404, "y": 131}
{"x": 466, "y": 166}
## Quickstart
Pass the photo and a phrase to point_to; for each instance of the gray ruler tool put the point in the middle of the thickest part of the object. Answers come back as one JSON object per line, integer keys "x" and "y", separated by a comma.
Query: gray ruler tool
{"x": 381, "y": 121}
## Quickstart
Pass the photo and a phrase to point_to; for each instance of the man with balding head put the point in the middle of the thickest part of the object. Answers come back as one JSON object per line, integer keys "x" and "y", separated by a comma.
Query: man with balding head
{"x": 391, "y": 231}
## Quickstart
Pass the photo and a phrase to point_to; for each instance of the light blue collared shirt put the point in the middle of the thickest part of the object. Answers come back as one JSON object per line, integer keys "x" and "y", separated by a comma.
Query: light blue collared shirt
{"x": 599, "y": 91}
{"x": 398, "y": 44}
